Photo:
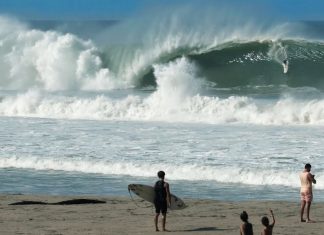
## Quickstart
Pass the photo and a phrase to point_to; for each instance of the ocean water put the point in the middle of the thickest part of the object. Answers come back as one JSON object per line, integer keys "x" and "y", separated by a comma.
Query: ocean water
{"x": 89, "y": 111}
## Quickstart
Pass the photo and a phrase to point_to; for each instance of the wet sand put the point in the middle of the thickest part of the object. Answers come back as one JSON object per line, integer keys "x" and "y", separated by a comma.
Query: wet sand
{"x": 121, "y": 215}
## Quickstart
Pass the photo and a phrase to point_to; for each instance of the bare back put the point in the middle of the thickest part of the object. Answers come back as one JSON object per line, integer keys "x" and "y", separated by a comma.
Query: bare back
{"x": 305, "y": 181}
{"x": 267, "y": 230}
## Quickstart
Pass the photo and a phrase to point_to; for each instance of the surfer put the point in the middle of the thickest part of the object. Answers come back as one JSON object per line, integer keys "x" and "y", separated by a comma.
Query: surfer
{"x": 246, "y": 228}
{"x": 306, "y": 192}
{"x": 162, "y": 200}
{"x": 285, "y": 65}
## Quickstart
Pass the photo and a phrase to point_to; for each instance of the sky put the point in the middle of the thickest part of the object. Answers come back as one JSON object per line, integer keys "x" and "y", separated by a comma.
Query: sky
{"x": 120, "y": 9}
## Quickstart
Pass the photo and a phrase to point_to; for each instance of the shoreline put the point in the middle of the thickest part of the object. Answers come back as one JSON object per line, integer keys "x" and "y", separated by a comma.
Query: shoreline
{"x": 121, "y": 215}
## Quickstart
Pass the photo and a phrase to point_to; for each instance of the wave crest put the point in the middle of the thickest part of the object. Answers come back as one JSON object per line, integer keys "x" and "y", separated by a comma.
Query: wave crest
{"x": 49, "y": 60}
{"x": 228, "y": 56}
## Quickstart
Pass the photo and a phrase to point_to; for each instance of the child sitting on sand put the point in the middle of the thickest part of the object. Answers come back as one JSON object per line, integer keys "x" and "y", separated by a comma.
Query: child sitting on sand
{"x": 245, "y": 228}
{"x": 268, "y": 227}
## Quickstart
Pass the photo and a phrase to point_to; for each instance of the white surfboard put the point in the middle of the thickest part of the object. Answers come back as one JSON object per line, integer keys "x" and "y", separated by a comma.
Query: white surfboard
{"x": 147, "y": 193}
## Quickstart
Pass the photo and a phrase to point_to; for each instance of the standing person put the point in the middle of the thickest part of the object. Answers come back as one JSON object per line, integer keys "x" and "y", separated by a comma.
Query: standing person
{"x": 268, "y": 227}
{"x": 246, "y": 228}
{"x": 162, "y": 200}
{"x": 306, "y": 192}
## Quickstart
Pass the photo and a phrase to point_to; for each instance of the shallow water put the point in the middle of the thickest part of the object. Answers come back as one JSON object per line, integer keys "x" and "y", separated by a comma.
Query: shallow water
{"x": 226, "y": 162}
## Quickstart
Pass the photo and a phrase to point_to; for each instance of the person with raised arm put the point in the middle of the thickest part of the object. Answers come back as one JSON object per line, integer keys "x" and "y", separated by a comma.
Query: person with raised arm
{"x": 268, "y": 228}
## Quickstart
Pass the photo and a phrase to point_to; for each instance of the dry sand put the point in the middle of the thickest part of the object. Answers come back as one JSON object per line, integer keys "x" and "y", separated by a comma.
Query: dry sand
{"x": 120, "y": 215}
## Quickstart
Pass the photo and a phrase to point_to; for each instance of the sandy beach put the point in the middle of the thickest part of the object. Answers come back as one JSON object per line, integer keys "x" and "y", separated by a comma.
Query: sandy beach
{"x": 121, "y": 215}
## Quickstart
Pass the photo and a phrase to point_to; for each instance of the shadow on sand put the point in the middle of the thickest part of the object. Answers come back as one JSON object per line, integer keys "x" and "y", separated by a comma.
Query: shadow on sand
{"x": 68, "y": 202}
{"x": 203, "y": 229}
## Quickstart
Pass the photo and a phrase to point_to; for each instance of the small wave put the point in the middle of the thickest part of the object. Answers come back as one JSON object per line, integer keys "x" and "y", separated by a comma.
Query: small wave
{"x": 175, "y": 172}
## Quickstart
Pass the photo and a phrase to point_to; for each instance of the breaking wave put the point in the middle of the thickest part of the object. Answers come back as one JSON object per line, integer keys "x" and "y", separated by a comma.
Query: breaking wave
{"x": 227, "y": 56}
{"x": 228, "y": 73}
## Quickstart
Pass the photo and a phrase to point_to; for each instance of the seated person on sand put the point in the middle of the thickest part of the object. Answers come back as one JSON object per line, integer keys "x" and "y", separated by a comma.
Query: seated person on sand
{"x": 246, "y": 228}
{"x": 268, "y": 227}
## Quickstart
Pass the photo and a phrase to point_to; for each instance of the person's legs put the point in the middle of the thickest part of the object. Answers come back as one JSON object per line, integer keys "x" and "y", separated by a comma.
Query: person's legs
{"x": 164, "y": 210}
{"x": 308, "y": 205}
{"x": 163, "y": 221}
{"x": 302, "y": 207}
{"x": 157, "y": 213}
{"x": 156, "y": 219}
{"x": 309, "y": 199}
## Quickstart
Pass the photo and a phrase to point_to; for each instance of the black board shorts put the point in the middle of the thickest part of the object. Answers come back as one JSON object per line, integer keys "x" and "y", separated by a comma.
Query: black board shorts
{"x": 161, "y": 207}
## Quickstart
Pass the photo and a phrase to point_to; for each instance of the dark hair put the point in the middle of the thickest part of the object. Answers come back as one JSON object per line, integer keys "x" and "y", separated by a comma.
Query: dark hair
{"x": 265, "y": 221}
{"x": 161, "y": 174}
{"x": 307, "y": 166}
{"x": 244, "y": 216}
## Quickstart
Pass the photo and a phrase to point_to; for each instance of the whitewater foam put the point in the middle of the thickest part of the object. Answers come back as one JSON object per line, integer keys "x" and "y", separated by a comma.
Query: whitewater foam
{"x": 167, "y": 106}
{"x": 176, "y": 82}
{"x": 278, "y": 52}
{"x": 50, "y": 61}
{"x": 194, "y": 172}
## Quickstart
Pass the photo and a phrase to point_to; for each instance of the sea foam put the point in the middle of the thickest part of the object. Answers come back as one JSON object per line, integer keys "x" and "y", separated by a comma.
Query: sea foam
{"x": 230, "y": 174}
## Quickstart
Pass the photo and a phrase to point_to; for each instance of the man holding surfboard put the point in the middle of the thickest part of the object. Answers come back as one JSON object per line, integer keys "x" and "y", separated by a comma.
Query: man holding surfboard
{"x": 162, "y": 200}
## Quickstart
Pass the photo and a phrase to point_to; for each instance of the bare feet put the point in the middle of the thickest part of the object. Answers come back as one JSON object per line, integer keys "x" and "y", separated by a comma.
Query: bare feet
{"x": 157, "y": 230}
{"x": 310, "y": 221}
